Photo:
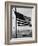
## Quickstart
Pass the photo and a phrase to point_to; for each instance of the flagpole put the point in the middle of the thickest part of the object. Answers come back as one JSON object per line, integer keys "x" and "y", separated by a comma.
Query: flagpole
{"x": 16, "y": 24}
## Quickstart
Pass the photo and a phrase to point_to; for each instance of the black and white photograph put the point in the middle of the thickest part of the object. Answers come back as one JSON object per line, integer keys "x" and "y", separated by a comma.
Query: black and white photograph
{"x": 21, "y": 22}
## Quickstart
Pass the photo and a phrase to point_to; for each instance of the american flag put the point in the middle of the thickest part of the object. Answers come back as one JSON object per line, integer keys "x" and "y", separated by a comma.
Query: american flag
{"x": 21, "y": 22}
